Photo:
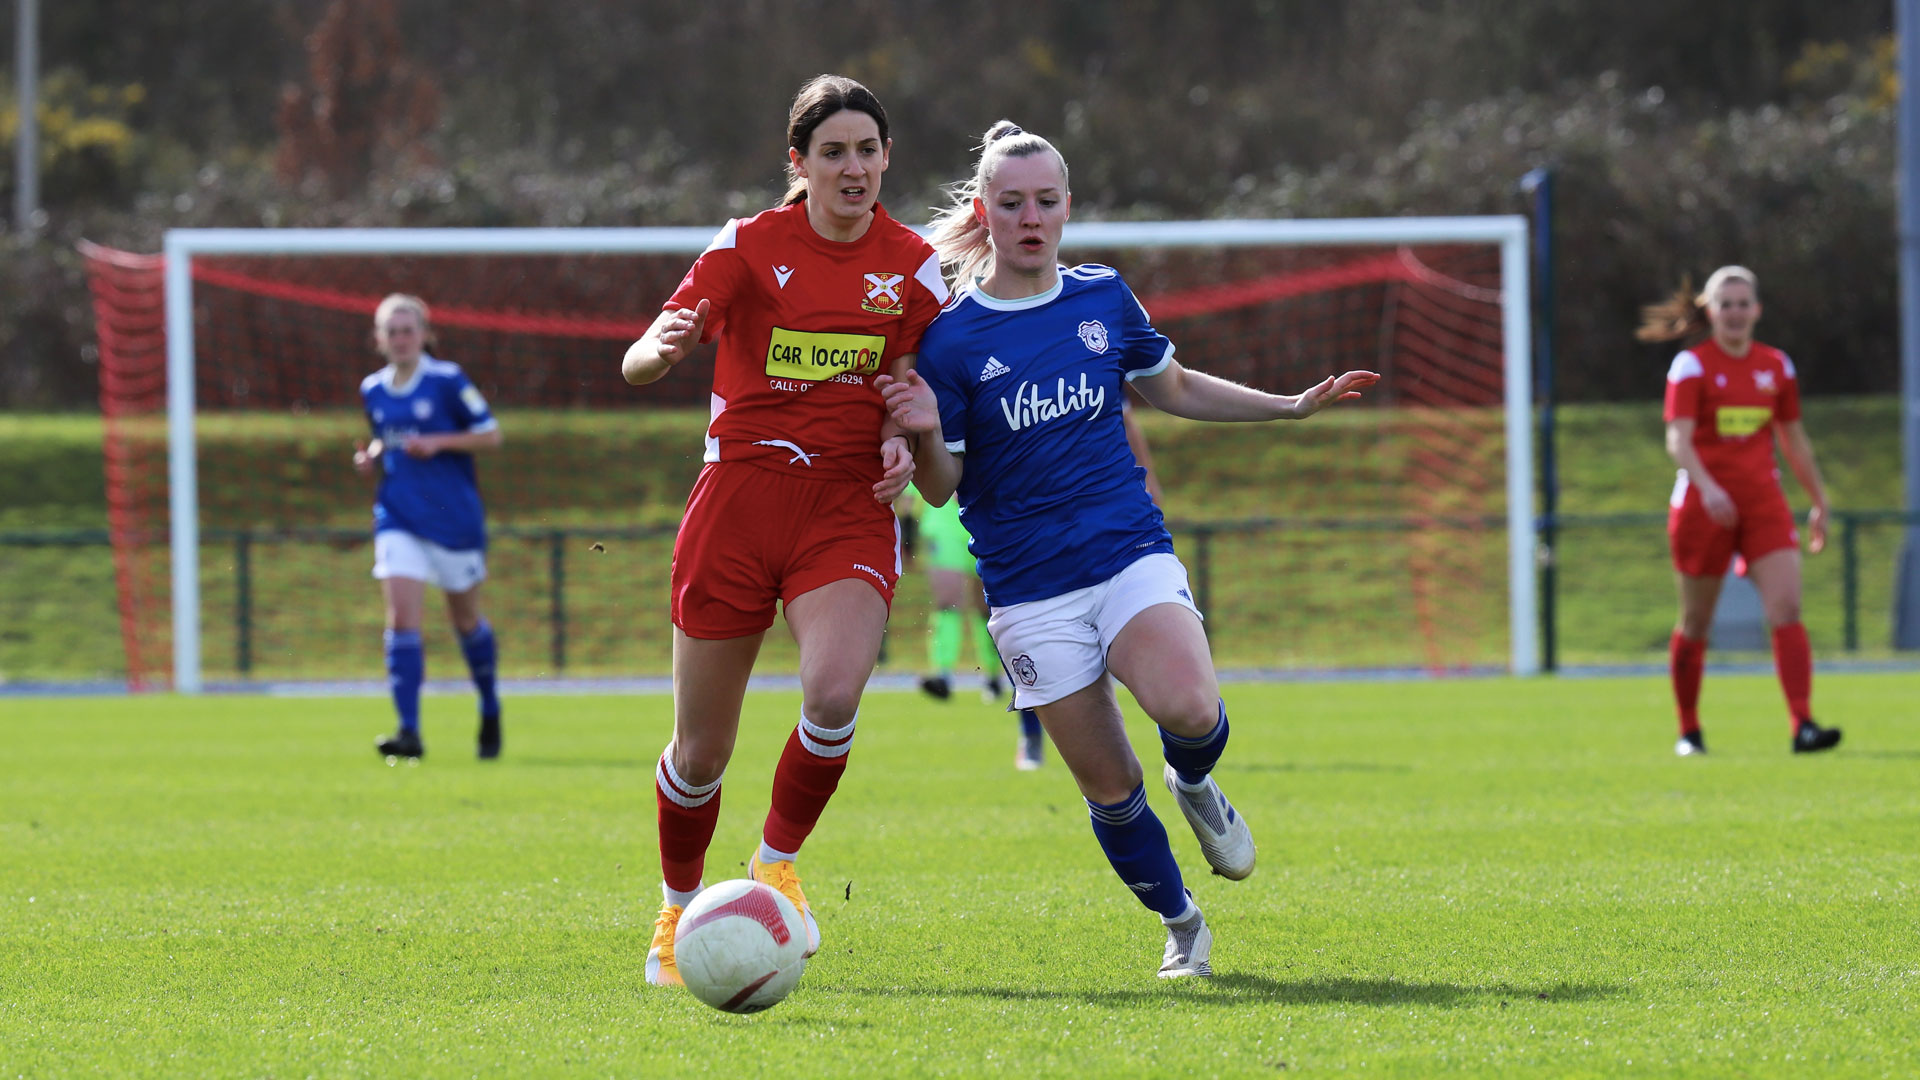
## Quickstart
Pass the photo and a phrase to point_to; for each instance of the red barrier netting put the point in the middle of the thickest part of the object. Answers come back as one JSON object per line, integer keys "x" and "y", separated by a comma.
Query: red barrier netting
{"x": 1392, "y": 555}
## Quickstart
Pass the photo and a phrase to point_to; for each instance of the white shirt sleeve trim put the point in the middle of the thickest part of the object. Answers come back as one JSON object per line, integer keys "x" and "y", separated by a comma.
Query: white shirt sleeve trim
{"x": 1156, "y": 369}
{"x": 1787, "y": 363}
{"x": 1685, "y": 366}
{"x": 484, "y": 426}
{"x": 957, "y": 446}
{"x": 726, "y": 237}
{"x": 929, "y": 276}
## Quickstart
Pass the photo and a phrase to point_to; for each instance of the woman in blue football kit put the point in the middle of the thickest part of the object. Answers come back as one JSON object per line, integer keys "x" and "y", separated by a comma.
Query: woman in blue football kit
{"x": 1016, "y": 402}
{"x": 429, "y": 526}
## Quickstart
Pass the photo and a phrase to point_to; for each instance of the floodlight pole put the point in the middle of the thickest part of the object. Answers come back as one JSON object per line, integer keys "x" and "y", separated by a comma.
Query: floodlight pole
{"x": 1906, "y": 614}
{"x": 26, "y": 143}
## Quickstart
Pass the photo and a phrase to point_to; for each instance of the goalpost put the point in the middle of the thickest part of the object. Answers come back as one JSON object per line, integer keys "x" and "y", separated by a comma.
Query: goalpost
{"x": 1444, "y": 298}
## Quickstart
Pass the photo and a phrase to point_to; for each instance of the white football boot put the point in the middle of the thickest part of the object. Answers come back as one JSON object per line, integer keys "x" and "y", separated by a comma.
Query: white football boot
{"x": 1223, "y": 834}
{"x": 1189, "y": 947}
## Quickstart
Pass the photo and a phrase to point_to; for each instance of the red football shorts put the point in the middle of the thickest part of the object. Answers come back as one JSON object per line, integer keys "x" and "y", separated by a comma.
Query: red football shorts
{"x": 753, "y": 536}
{"x": 1702, "y": 548}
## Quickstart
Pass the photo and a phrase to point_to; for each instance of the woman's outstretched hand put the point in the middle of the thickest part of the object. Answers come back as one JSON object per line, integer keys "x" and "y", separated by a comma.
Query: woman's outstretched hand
{"x": 682, "y": 333}
{"x": 911, "y": 403}
{"x": 1333, "y": 389}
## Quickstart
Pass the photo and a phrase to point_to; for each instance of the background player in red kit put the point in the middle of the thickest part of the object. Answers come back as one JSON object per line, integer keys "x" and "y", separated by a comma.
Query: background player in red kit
{"x": 1726, "y": 397}
{"x": 811, "y": 301}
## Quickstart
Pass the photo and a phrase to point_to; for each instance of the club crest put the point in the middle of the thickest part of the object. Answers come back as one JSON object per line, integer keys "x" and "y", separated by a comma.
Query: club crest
{"x": 422, "y": 408}
{"x": 1093, "y": 334}
{"x": 886, "y": 294}
{"x": 1023, "y": 669}
{"x": 1763, "y": 382}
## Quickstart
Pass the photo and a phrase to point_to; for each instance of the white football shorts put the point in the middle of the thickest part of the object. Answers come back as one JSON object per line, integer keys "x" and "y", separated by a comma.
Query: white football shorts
{"x": 1056, "y": 646}
{"x": 404, "y": 555}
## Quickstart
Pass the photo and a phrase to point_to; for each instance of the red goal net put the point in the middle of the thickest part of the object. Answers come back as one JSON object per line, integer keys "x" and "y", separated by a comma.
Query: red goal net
{"x": 1372, "y": 538}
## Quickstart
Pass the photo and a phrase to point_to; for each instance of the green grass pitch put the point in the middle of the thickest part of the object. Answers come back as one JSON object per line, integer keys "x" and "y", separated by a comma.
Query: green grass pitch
{"x": 1467, "y": 877}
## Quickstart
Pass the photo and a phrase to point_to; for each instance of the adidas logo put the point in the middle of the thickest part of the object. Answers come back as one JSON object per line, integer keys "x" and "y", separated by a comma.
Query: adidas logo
{"x": 994, "y": 369}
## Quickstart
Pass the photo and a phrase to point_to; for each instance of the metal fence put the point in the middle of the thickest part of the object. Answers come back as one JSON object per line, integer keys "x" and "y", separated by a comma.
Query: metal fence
{"x": 1278, "y": 592}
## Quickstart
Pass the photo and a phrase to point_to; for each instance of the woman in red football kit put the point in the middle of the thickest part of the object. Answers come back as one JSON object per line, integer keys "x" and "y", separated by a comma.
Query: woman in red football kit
{"x": 810, "y": 301}
{"x": 1726, "y": 399}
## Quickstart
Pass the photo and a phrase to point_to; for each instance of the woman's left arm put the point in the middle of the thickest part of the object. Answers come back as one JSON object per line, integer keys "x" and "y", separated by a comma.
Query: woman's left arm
{"x": 1798, "y": 450}
{"x": 425, "y": 446}
{"x": 896, "y": 450}
{"x": 1197, "y": 395}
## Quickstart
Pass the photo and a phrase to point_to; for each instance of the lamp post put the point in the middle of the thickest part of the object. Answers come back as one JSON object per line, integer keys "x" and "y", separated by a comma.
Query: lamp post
{"x": 26, "y": 144}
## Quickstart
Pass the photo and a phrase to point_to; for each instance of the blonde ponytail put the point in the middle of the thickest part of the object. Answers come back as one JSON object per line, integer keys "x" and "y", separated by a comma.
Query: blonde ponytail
{"x": 959, "y": 233}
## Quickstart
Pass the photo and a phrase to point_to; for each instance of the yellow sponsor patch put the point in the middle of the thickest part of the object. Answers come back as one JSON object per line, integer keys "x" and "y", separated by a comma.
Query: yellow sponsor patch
{"x": 813, "y": 357}
{"x": 1739, "y": 421}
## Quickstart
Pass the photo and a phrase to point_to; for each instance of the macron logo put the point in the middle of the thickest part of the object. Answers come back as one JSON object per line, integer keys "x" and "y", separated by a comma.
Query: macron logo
{"x": 800, "y": 457}
{"x": 781, "y": 274}
{"x": 994, "y": 369}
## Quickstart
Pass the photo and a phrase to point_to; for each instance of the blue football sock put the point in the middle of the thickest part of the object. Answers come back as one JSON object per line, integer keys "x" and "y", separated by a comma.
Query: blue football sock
{"x": 481, "y": 655}
{"x": 1029, "y": 723}
{"x": 1136, "y": 845}
{"x": 1193, "y": 759}
{"x": 406, "y": 670}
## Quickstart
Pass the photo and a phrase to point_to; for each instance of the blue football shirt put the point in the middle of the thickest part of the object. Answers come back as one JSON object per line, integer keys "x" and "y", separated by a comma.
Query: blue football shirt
{"x": 436, "y": 498}
{"x": 1030, "y": 392}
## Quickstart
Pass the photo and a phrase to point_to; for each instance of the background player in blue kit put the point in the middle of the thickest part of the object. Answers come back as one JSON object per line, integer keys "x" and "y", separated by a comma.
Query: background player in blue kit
{"x": 429, "y": 525}
{"x": 1016, "y": 400}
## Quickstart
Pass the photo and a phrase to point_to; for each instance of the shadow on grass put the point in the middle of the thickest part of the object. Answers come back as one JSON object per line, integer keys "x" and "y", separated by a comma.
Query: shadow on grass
{"x": 1233, "y": 988}
{"x": 833, "y": 1020}
{"x": 1398, "y": 992}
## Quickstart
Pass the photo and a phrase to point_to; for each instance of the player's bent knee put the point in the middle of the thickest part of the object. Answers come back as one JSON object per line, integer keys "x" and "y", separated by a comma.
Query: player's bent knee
{"x": 697, "y": 763}
{"x": 1110, "y": 785}
{"x": 831, "y": 708}
{"x": 1189, "y": 715}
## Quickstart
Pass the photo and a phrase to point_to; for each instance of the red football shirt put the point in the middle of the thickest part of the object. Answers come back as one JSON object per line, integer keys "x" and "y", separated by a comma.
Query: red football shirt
{"x": 805, "y": 323}
{"x": 1734, "y": 402}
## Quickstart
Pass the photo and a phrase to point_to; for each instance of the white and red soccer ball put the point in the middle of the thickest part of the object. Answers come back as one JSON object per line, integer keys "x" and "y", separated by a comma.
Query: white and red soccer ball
{"x": 740, "y": 946}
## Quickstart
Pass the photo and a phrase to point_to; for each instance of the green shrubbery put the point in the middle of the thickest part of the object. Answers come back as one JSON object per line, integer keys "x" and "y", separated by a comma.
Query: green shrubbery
{"x": 1683, "y": 138}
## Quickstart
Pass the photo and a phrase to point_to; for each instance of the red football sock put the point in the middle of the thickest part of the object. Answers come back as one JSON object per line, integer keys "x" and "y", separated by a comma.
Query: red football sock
{"x": 1686, "y": 657}
{"x": 809, "y": 771}
{"x": 687, "y": 815}
{"x": 1793, "y": 659}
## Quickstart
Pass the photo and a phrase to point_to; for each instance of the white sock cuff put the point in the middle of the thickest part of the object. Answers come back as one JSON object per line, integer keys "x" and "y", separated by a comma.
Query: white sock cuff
{"x": 1206, "y": 782}
{"x": 677, "y": 789}
{"x": 1192, "y": 910}
{"x": 827, "y": 742}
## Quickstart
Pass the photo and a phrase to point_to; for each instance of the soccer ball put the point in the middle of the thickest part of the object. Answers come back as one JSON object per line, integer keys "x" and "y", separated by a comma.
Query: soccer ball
{"x": 740, "y": 946}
